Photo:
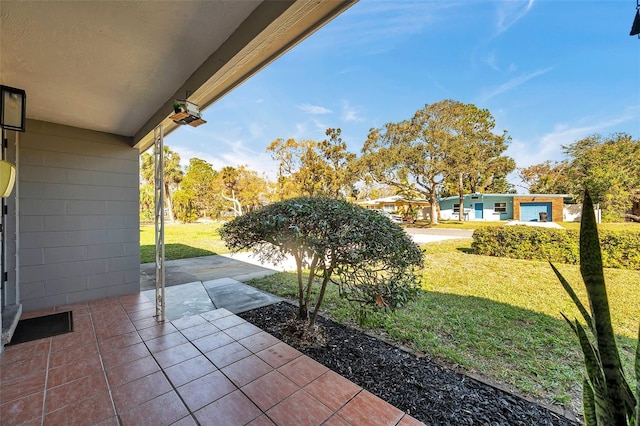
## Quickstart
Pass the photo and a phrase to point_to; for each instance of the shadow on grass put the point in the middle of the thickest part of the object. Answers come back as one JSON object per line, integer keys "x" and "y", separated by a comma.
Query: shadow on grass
{"x": 465, "y": 250}
{"x": 172, "y": 252}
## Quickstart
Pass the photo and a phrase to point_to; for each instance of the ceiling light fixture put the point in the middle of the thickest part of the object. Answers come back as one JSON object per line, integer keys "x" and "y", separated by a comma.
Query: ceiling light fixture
{"x": 185, "y": 112}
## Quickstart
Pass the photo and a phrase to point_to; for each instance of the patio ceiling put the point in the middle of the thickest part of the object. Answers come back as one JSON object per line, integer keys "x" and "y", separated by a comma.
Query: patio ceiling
{"x": 117, "y": 67}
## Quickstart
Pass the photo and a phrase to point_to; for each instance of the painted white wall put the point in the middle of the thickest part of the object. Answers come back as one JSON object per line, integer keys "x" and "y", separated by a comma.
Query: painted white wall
{"x": 488, "y": 207}
{"x": 79, "y": 224}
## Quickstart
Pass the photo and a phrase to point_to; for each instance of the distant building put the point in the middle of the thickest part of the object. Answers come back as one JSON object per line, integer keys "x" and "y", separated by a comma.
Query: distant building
{"x": 496, "y": 207}
{"x": 417, "y": 207}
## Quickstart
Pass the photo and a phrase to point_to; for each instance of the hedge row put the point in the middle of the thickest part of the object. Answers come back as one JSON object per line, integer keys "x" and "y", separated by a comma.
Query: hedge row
{"x": 620, "y": 249}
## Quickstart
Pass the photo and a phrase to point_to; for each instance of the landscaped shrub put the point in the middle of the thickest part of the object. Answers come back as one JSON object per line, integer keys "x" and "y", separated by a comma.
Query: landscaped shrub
{"x": 372, "y": 260}
{"x": 527, "y": 242}
{"x": 620, "y": 249}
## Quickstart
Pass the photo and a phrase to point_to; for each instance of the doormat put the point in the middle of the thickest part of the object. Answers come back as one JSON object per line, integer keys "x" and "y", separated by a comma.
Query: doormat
{"x": 41, "y": 327}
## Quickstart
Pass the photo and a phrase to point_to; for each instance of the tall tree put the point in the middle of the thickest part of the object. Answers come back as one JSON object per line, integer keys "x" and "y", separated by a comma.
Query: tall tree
{"x": 421, "y": 153}
{"x": 549, "y": 177}
{"x": 310, "y": 168}
{"x": 253, "y": 189}
{"x": 475, "y": 153}
{"x": 146, "y": 202}
{"x": 172, "y": 174}
{"x": 609, "y": 168}
{"x": 340, "y": 173}
{"x": 229, "y": 176}
{"x": 243, "y": 187}
{"x": 199, "y": 186}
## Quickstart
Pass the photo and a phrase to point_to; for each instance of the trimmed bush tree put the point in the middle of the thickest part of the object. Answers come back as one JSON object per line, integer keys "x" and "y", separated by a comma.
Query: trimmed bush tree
{"x": 372, "y": 260}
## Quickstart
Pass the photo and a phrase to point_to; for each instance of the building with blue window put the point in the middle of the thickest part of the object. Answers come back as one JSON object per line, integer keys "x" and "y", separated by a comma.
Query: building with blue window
{"x": 496, "y": 207}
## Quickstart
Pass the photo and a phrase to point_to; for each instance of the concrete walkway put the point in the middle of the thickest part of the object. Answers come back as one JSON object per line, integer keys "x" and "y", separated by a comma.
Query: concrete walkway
{"x": 198, "y": 297}
{"x": 201, "y": 284}
{"x": 240, "y": 267}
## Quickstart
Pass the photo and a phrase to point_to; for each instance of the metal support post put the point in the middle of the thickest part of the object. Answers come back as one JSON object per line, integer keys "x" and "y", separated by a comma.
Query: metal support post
{"x": 3, "y": 231}
{"x": 159, "y": 221}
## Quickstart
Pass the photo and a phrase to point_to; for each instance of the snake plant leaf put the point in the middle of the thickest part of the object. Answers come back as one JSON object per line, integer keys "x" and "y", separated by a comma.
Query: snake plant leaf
{"x": 574, "y": 297}
{"x": 593, "y": 276}
{"x": 596, "y": 378}
{"x": 629, "y": 398}
{"x": 588, "y": 404}
{"x": 573, "y": 327}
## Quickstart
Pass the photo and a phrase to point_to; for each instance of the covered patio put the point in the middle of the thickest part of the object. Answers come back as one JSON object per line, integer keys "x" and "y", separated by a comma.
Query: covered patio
{"x": 121, "y": 367}
{"x": 101, "y": 79}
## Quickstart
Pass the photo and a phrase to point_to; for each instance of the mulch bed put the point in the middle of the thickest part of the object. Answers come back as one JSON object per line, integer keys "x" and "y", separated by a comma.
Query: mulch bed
{"x": 430, "y": 392}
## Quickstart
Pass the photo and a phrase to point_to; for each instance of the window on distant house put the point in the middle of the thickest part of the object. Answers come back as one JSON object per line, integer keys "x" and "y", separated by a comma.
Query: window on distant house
{"x": 456, "y": 208}
{"x": 500, "y": 207}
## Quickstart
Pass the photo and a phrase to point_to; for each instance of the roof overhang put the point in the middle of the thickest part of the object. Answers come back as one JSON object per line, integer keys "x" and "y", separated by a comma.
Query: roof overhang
{"x": 117, "y": 67}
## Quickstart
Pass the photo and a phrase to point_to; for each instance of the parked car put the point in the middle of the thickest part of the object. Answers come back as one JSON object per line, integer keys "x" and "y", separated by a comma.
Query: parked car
{"x": 395, "y": 218}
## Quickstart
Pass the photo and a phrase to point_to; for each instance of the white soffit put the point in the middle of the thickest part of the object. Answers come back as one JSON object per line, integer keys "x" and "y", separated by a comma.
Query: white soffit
{"x": 116, "y": 66}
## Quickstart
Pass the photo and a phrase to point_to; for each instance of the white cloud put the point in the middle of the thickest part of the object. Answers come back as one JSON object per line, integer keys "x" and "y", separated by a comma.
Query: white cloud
{"x": 510, "y": 12}
{"x": 256, "y": 130}
{"x": 549, "y": 145}
{"x": 349, "y": 70}
{"x": 350, "y": 114}
{"x": 400, "y": 19}
{"x": 319, "y": 125}
{"x": 231, "y": 153}
{"x": 301, "y": 130}
{"x": 375, "y": 27}
{"x": 491, "y": 60}
{"x": 314, "y": 109}
{"x": 513, "y": 83}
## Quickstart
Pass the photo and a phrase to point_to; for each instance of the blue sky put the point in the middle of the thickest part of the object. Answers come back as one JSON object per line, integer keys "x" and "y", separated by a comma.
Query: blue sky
{"x": 550, "y": 72}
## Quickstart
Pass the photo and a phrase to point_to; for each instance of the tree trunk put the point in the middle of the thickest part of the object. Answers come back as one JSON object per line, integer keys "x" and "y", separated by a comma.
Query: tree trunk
{"x": 312, "y": 274}
{"x": 325, "y": 281}
{"x": 433, "y": 207}
{"x": 303, "y": 313}
{"x": 169, "y": 203}
{"x": 632, "y": 217}
{"x": 461, "y": 199}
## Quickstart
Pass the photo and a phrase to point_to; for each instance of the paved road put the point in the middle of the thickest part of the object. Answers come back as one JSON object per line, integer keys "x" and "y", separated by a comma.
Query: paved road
{"x": 429, "y": 235}
{"x": 445, "y": 232}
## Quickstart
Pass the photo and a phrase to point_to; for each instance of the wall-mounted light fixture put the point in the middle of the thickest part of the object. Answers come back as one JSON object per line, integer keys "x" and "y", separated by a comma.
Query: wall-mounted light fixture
{"x": 7, "y": 178}
{"x": 185, "y": 112}
{"x": 13, "y": 107}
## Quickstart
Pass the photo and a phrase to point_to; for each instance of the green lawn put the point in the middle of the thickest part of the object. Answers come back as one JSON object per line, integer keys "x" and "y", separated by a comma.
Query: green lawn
{"x": 496, "y": 317}
{"x": 182, "y": 241}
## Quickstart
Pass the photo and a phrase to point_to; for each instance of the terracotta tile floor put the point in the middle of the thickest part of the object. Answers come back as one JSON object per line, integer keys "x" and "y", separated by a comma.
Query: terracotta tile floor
{"x": 121, "y": 367}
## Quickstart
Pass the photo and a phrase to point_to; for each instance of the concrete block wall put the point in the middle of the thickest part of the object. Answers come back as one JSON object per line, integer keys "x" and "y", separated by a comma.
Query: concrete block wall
{"x": 78, "y": 208}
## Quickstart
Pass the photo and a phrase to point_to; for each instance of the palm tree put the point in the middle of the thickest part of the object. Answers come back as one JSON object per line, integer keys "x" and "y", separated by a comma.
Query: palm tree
{"x": 172, "y": 174}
